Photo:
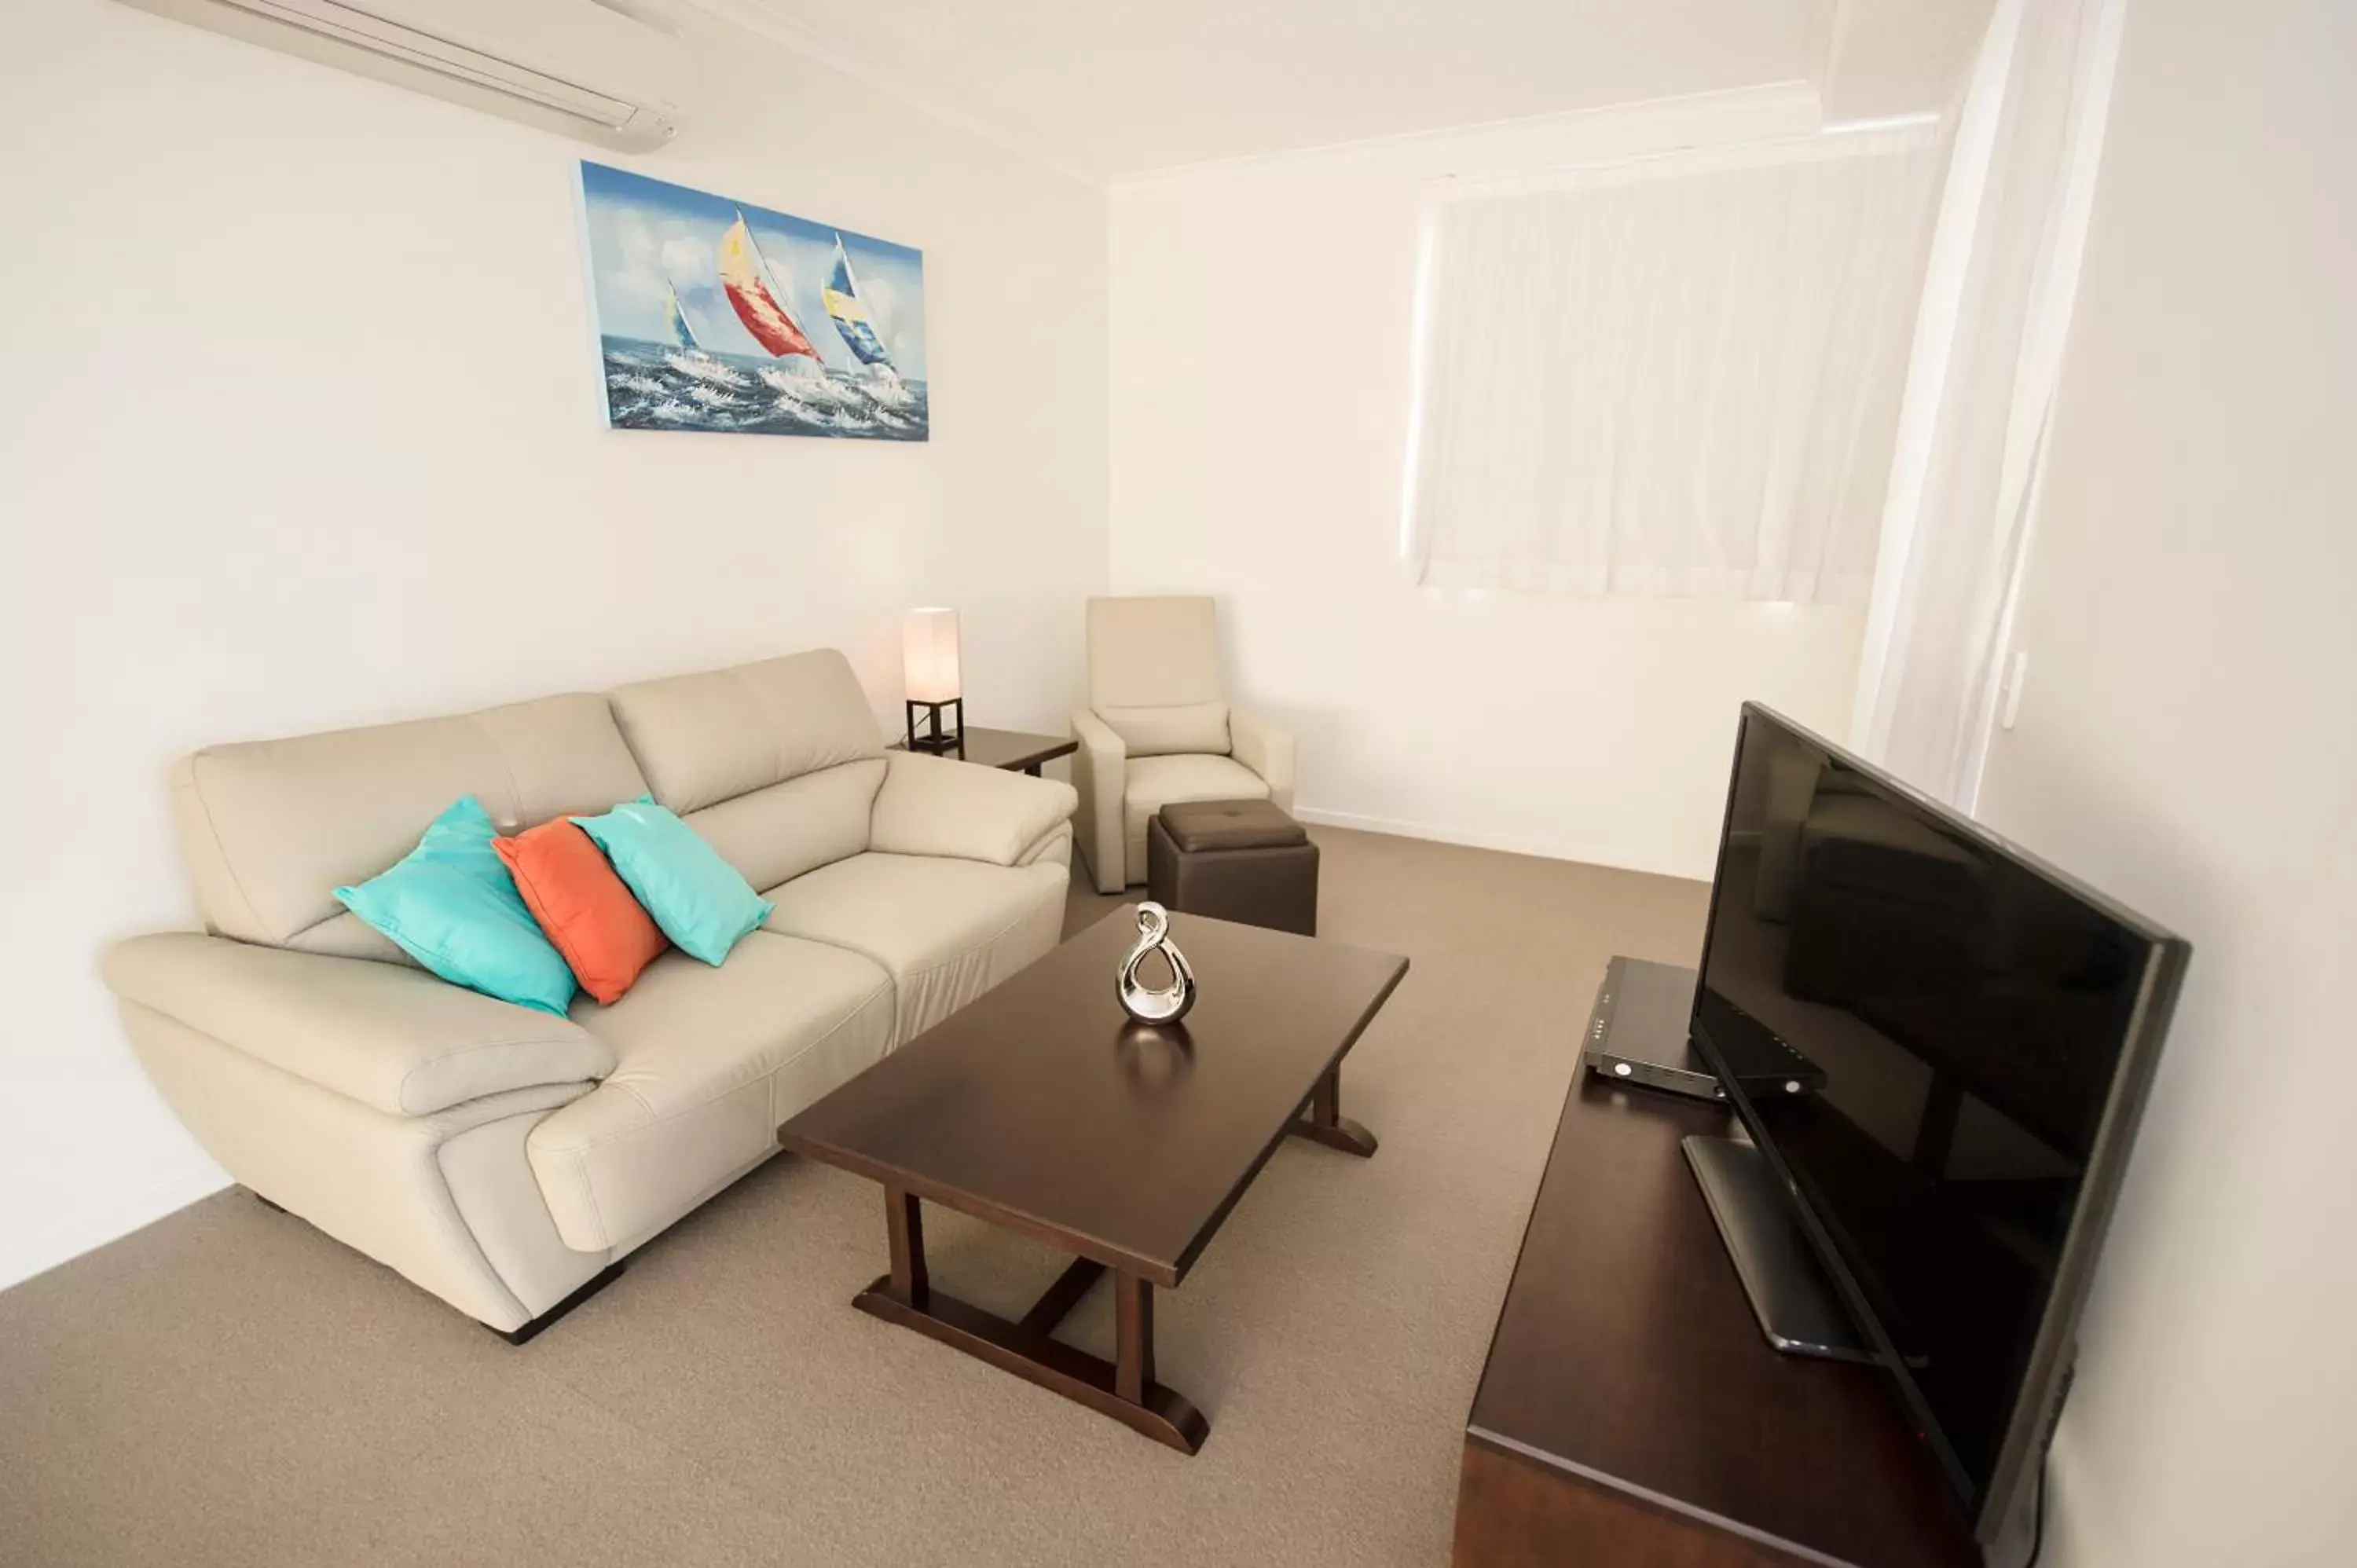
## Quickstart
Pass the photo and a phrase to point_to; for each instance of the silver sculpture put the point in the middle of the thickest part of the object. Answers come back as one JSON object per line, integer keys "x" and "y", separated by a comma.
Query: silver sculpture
{"x": 1147, "y": 1005}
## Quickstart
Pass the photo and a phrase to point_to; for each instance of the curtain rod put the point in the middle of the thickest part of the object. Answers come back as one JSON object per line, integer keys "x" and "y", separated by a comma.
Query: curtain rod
{"x": 1926, "y": 120}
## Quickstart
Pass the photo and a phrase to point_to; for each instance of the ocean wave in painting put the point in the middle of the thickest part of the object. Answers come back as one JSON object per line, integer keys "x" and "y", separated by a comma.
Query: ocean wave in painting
{"x": 658, "y": 386}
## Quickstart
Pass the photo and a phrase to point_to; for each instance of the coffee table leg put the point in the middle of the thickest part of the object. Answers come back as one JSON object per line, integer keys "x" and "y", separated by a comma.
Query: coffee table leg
{"x": 905, "y": 1225}
{"x": 1325, "y": 1122}
{"x": 1133, "y": 1332}
{"x": 1123, "y": 1387}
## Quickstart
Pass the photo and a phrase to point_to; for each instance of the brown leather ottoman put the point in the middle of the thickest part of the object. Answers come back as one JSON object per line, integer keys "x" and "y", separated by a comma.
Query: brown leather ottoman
{"x": 1234, "y": 860}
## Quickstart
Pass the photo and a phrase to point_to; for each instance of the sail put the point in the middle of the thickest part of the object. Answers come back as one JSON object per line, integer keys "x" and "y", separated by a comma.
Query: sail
{"x": 745, "y": 275}
{"x": 676, "y": 320}
{"x": 850, "y": 316}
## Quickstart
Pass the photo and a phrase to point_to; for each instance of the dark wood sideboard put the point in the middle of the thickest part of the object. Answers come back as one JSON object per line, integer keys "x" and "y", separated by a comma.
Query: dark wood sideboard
{"x": 1631, "y": 1415}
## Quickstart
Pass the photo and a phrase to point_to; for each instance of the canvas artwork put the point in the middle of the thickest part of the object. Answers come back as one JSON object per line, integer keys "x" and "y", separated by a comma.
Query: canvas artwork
{"x": 718, "y": 314}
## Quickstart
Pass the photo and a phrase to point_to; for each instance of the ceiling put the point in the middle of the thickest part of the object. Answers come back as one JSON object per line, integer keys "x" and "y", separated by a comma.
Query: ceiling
{"x": 1107, "y": 88}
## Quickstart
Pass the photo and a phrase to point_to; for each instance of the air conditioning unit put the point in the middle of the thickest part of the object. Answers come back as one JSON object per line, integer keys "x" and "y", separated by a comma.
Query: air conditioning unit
{"x": 582, "y": 67}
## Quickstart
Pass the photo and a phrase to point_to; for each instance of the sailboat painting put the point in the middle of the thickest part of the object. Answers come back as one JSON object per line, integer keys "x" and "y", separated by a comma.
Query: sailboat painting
{"x": 721, "y": 315}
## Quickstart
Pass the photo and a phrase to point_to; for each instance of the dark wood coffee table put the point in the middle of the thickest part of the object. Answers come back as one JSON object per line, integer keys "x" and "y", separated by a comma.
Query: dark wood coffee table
{"x": 1044, "y": 1109}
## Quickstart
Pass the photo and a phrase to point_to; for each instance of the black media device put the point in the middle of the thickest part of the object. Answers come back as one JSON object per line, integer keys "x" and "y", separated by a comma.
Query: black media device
{"x": 1639, "y": 1033}
{"x": 1987, "y": 1028}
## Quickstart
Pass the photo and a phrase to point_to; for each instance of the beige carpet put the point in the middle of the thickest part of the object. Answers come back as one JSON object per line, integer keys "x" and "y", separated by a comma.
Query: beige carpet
{"x": 230, "y": 1386}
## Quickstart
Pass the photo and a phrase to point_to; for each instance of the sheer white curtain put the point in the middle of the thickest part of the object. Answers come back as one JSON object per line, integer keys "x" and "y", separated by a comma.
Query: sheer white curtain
{"x": 2003, "y": 272}
{"x": 1675, "y": 377}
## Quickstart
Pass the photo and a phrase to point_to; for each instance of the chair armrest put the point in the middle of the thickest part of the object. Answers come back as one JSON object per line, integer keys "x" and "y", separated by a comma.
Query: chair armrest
{"x": 936, "y": 805}
{"x": 1100, "y": 774}
{"x": 392, "y": 1038}
{"x": 1266, "y": 750}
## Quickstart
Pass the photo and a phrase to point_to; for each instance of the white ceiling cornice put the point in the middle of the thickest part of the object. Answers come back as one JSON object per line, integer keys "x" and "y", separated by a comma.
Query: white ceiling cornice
{"x": 926, "y": 97}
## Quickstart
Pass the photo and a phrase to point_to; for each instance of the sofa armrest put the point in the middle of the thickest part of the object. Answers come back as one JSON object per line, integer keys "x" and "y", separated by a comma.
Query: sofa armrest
{"x": 936, "y": 805}
{"x": 1100, "y": 774}
{"x": 1266, "y": 750}
{"x": 392, "y": 1038}
{"x": 1055, "y": 845}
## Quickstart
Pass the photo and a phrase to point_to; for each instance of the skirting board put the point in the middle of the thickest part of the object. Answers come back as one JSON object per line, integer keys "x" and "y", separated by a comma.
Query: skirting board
{"x": 94, "y": 1228}
{"x": 1589, "y": 854}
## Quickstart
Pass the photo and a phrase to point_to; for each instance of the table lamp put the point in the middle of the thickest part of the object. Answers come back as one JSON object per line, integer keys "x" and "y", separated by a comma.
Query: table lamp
{"x": 928, "y": 654}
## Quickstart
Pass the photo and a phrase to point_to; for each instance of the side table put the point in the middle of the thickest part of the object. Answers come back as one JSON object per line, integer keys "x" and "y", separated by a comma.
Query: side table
{"x": 1014, "y": 750}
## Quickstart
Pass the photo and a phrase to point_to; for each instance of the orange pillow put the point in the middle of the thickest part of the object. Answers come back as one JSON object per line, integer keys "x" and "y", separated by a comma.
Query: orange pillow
{"x": 588, "y": 914}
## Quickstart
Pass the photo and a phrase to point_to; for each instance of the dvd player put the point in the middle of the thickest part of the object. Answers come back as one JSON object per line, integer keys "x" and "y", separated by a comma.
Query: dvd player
{"x": 1640, "y": 1033}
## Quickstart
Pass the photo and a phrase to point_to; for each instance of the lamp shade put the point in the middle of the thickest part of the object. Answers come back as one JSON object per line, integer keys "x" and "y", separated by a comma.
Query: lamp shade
{"x": 928, "y": 653}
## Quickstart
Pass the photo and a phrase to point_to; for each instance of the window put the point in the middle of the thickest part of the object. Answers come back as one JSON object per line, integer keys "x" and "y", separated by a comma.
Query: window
{"x": 1671, "y": 378}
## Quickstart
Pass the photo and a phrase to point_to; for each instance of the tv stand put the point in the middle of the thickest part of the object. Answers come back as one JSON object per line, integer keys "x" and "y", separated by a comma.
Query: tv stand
{"x": 1791, "y": 1297}
{"x": 1629, "y": 1411}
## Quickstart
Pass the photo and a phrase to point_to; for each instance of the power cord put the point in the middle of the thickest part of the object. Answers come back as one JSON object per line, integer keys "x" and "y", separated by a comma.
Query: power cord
{"x": 2038, "y": 1534}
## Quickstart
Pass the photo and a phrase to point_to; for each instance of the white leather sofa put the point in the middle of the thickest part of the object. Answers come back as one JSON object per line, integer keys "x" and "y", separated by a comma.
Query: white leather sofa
{"x": 506, "y": 1160}
{"x": 1158, "y": 730}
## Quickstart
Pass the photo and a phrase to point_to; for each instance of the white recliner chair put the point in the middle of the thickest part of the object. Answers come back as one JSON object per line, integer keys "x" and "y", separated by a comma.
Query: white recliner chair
{"x": 1158, "y": 729}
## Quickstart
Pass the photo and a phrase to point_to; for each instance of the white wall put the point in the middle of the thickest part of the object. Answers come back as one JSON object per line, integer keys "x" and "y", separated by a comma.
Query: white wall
{"x": 1260, "y": 387}
{"x": 300, "y": 428}
{"x": 2185, "y": 742}
{"x": 1876, "y": 57}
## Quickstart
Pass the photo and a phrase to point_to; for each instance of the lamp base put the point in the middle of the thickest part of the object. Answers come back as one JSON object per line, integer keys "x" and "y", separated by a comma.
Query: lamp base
{"x": 941, "y": 742}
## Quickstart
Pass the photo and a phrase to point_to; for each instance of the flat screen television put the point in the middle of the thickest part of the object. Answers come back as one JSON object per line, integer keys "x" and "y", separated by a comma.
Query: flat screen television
{"x": 1987, "y": 1027}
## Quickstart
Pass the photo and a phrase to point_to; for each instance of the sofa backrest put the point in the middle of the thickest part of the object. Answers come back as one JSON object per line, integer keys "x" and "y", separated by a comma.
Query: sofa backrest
{"x": 776, "y": 764}
{"x": 1154, "y": 673}
{"x": 271, "y": 827}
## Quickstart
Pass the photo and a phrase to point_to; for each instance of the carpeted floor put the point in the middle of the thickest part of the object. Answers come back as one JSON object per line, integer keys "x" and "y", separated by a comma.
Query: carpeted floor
{"x": 229, "y": 1386}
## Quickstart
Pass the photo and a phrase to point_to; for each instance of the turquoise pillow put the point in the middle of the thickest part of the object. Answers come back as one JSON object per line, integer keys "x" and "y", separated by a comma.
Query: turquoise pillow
{"x": 452, "y": 907}
{"x": 697, "y": 899}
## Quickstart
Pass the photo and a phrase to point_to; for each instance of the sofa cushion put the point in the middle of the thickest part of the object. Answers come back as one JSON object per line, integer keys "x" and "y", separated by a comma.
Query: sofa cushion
{"x": 1153, "y": 652}
{"x": 1153, "y": 782}
{"x": 453, "y": 907}
{"x": 271, "y": 827}
{"x": 706, "y": 738}
{"x": 1154, "y": 673}
{"x": 606, "y": 935}
{"x": 1159, "y": 732}
{"x": 774, "y": 835}
{"x": 701, "y": 902}
{"x": 709, "y": 1061}
{"x": 947, "y": 930}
